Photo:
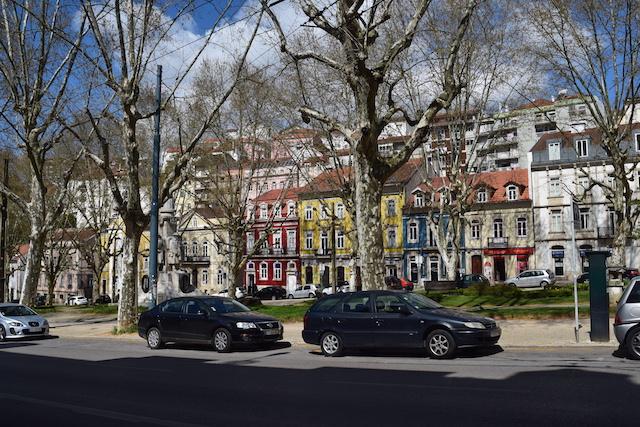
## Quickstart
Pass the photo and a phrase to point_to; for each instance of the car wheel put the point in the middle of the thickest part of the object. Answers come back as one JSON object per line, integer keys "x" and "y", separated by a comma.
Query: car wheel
{"x": 3, "y": 333}
{"x": 273, "y": 298}
{"x": 440, "y": 344}
{"x": 544, "y": 284}
{"x": 154, "y": 338}
{"x": 331, "y": 344}
{"x": 222, "y": 341}
{"x": 312, "y": 296}
{"x": 513, "y": 285}
{"x": 290, "y": 296}
{"x": 633, "y": 344}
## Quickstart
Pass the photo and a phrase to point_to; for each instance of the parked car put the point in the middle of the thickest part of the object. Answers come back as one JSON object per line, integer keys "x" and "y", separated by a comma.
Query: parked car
{"x": 466, "y": 280}
{"x": 271, "y": 292}
{"x": 627, "y": 322}
{"x": 103, "y": 299}
{"x": 397, "y": 284}
{"x": 225, "y": 293}
{"x": 19, "y": 321}
{"x": 222, "y": 322}
{"x": 341, "y": 287}
{"x": 78, "y": 300}
{"x": 583, "y": 278}
{"x": 305, "y": 291}
{"x": 630, "y": 273}
{"x": 41, "y": 300}
{"x": 393, "y": 319}
{"x": 532, "y": 279}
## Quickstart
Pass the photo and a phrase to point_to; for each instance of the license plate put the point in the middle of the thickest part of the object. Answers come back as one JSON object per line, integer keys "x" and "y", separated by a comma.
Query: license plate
{"x": 35, "y": 330}
{"x": 494, "y": 332}
{"x": 271, "y": 331}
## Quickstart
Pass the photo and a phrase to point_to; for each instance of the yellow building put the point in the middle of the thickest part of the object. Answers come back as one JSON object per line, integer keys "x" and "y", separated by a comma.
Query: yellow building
{"x": 327, "y": 233}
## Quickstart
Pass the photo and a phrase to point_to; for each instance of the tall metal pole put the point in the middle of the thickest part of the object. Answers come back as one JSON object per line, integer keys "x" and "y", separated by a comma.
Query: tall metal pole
{"x": 153, "y": 250}
{"x": 3, "y": 234}
{"x": 576, "y": 262}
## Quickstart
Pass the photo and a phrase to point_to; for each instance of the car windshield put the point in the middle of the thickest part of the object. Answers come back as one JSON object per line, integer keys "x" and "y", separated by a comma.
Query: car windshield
{"x": 17, "y": 310}
{"x": 227, "y": 305}
{"x": 419, "y": 302}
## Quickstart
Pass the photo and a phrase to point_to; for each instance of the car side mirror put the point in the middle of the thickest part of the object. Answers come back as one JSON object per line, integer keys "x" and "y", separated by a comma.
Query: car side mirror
{"x": 203, "y": 314}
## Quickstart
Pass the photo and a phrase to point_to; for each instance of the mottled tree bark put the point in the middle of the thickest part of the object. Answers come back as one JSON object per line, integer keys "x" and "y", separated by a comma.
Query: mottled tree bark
{"x": 128, "y": 306}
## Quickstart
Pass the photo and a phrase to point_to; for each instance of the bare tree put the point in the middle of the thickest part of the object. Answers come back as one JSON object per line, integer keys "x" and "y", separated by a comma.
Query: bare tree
{"x": 58, "y": 256}
{"x": 128, "y": 36}
{"x": 593, "y": 48}
{"x": 36, "y": 66}
{"x": 365, "y": 50}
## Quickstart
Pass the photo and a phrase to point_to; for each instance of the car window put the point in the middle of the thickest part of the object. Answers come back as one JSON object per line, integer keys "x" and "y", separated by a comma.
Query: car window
{"x": 325, "y": 305}
{"x": 17, "y": 310}
{"x": 226, "y": 305}
{"x": 634, "y": 295}
{"x": 383, "y": 303}
{"x": 173, "y": 306}
{"x": 419, "y": 302}
{"x": 356, "y": 304}
{"x": 194, "y": 307}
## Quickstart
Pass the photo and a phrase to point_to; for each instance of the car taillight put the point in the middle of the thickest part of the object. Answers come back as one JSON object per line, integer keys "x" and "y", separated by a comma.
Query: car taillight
{"x": 616, "y": 321}
{"x": 306, "y": 320}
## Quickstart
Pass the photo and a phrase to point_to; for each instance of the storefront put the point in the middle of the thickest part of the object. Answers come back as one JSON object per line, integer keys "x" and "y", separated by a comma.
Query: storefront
{"x": 500, "y": 264}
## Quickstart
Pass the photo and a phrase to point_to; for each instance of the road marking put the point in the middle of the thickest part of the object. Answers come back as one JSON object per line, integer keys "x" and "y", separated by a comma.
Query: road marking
{"x": 435, "y": 387}
{"x": 98, "y": 412}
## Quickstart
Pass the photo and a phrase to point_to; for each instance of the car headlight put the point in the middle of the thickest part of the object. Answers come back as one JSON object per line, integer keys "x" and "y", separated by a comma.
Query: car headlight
{"x": 17, "y": 324}
{"x": 45, "y": 323}
{"x": 474, "y": 325}
{"x": 246, "y": 325}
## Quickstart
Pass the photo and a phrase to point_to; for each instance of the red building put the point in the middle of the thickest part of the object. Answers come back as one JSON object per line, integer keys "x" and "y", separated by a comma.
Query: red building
{"x": 273, "y": 243}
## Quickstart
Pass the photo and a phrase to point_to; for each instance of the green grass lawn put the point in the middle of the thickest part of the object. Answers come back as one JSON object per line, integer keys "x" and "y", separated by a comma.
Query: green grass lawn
{"x": 286, "y": 313}
{"x": 520, "y": 299}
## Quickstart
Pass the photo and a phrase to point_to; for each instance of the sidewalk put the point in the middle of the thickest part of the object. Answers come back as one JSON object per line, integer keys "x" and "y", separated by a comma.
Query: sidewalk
{"x": 515, "y": 333}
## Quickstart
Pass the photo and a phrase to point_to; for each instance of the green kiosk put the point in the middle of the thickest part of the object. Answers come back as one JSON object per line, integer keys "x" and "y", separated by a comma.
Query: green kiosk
{"x": 598, "y": 298}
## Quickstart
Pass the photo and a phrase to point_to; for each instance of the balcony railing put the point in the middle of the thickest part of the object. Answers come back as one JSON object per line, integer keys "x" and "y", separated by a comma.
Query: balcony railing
{"x": 275, "y": 251}
{"x": 324, "y": 252}
{"x": 498, "y": 242}
{"x": 606, "y": 232}
{"x": 194, "y": 259}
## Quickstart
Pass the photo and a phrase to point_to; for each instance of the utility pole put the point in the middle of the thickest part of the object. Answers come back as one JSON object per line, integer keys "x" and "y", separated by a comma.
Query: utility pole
{"x": 334, "y": 273}
{"x": 3, "y": 234}
{"x": 153, "y": 250}
{"x": 574, "y": 248}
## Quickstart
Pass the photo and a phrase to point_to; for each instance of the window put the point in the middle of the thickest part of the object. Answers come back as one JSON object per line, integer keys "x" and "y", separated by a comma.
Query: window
{"x": 634, "y": 295}
{"x": 356, "y": 303}
{"x": 324, "y": 241}
{"x": 637, "y": 141}
{"x": 475, "y": 229}
{"x": 174, "y": 306}
{"x": 308, "y": 213}
{"x": 556, "y": 221}
{"x": 277, "y": 211}
{"x": 521, "y": 227}
{"x": 551, "y": 115}
{"x": 512, "y": 193}
{"x": 554, "y": 150}
{"x": 583, "y": 185}
{"x": 205, "y": 277}
{"x": 250, "y": 240}
{"x": 222, "y": 275}
{"x": 323, "y": 212}
{"x": 557, "y": 253}
{"x": 277, "y": 271}
{"x": 391, "y": 208}
{"x": 582, "y": 109}
{"x": 277, "y": 239}
{"x": 292, "y": 209}
{"x": 388, "y": 304}
{"x": 145, "y": 263}
{"x": 418, "y": 200}
{"x": 273, "y": 185}
{"x": 585, "y": 218}
{"x": 555, "y": 190}
{"x": 340, "y": 239}
{"x": 194, "y": 248}
{"x": 481, "y": 197}
{"x": 205, "y": 248}
{"x": 582, "y": 147}
{"x": 308, "y": 240}
{"x": 291, "y": 240}
{"x": 413, "y": 232}
{"x": 263, "y": 211}
{"x": 339, "y": 211}
{"x": 264, "y": 271}
{"x": 385, "y": 149}
{"x": 391, "y": 237}
{"x": 498, "y": 230}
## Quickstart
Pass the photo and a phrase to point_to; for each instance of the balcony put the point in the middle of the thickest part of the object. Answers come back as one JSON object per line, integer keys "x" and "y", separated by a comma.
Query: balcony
{"x": 606, "y": 232}
{"x": 194, "y": 259}
{"x": 498, "y": 242}
{"x": 271, "y": 251}
{"x": 323, "y": 252}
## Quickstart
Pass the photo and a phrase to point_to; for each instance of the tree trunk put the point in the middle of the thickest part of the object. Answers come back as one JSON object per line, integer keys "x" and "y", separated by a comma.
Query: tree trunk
{"x": 128, "y": 306}
{"x": 32, "y": 268}
{"x": 236, "y": 262}
{"x": 368, "y": 196}
{"x": 51, "y": 284}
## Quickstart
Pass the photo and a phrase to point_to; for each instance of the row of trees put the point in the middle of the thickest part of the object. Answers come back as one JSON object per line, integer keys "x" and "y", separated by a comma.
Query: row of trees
{"x": 77, "y": 85}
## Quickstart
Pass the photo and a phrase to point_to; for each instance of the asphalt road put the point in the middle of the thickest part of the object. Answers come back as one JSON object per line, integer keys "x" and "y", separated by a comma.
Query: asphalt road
{"x": 110, "y": 382}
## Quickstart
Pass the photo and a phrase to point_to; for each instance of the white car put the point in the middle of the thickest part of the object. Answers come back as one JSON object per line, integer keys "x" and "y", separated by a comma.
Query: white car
{"x": 340, "y": 289}
{"x": 532, "y": 279}
{"x": 306, "y": 291}
{"x": 225, "y": 293}
{"x": 78, "y": 301}
{"x": 19, "y": 321}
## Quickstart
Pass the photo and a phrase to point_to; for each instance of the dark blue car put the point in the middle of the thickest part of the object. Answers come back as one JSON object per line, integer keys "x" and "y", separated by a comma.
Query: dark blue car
{"x": 394, "y": 319}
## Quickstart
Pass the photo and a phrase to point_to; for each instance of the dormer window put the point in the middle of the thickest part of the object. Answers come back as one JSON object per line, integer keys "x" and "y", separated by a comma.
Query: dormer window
{"x": 481, "y": 196}
{"x": 512, "y": 192}
{"x": 277, "y": 211}
{"x": 263, "y": 211}
{"x": 418, "y": 200}
{"x": 582, "y": 147}
{"x": 292, "y": 209}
